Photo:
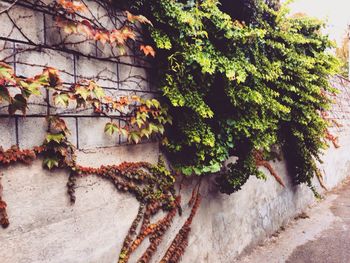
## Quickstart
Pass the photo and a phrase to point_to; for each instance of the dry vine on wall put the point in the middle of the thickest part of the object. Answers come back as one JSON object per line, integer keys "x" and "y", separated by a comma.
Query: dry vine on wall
{"x": 131, "y": 116}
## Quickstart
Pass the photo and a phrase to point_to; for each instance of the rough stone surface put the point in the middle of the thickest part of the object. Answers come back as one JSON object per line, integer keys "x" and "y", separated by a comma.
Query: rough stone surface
{"x": 77, "y": 59}
{"x": 91, "y": 133}
{"x": 23, "y": 17}
{"x": 46, "y": 228}
{"x": 7, "y": 132}
{"x": 31, "y": 63}
{"x": 133, "y": 78}
{"x": 31, "y": 132}
{"x": 104, "y": 73}
{"x": 318, "y": 235}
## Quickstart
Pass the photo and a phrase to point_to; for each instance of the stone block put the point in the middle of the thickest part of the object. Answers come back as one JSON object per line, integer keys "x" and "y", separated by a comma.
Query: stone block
{"x": 30, "y": 24}
{"x": 4, "y": 108}
{"x": 54, "y": 231}
{"x": 7, "y": 132}
{"x": 112, "y": 53}
{"x": 55, "y": 36}
{"x": 6, "y": 52}
{"x": 104, "y": 73}
{"x": 31, "y": 131}
{"x": 103, "y": 17}
{"x": 133, "y": 78}
{"x": 38, "y": 104}
{"x": 100, "y": 18}
{"x": 123, "y": 139}
{"x": 91, "y": 133}
{"x": 32, "y": 62}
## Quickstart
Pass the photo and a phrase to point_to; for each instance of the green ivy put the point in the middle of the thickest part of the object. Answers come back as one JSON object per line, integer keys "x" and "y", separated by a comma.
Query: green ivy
{"x": 236, "y": 85}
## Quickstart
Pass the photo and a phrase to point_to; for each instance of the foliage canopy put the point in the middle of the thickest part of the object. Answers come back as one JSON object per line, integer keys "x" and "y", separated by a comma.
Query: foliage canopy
{"x": 240, "y": 85}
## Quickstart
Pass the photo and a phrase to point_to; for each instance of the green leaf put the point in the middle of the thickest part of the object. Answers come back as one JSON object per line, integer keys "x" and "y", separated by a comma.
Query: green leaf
{"x": 51, "y": 163}
{"x": 123, "y": 132}
{"x": 156, "y": 103}
{"x": 62, "y": 99}
{"x": 187, "y": 170}
{"x": 215, "y": 168}
{"x": 145, "y": 132}
{"x": 160, "y": 128}
{"x": 144, "y": 116}
{"x": 152, "y": 127}
{"x": 134, "y": 137}
{"x": 59, "y": 137}
{"x": 5, "y": 71}
{"x": 111, "y": 128}
{"x": 83, "y": 92}
{"x": 139, "y": 122}
{"x": 43, "y": 79}
{"x": 149, "y": 104}
{"x": 34, "y": 88}
{"x": 99, "y": 92}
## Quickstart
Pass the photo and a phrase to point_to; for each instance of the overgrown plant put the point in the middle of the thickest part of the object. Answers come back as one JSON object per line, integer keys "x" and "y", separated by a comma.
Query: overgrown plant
{"x": 152, "y": 185}
{"x": 238, "y": 85}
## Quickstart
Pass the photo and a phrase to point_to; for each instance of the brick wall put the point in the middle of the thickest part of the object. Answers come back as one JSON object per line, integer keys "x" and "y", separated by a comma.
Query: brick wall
{"x": 30, "y": 41}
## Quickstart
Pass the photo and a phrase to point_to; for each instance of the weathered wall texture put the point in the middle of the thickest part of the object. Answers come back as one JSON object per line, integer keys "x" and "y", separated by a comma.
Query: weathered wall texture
{"x": 46, "y": 228}
{"x": 31, "y": 41}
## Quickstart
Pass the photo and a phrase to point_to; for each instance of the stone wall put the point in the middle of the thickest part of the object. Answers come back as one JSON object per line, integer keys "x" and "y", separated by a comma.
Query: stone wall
{"x": 31, "y": 41}
{"x": 46, "y": 228}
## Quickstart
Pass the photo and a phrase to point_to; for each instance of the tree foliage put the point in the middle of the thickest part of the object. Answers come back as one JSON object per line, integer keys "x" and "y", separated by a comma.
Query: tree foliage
{"x": 238, "y": 83}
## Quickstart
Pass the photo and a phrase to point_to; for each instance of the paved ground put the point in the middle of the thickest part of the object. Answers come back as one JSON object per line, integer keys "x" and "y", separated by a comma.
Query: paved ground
{"x": 321, "y": 235}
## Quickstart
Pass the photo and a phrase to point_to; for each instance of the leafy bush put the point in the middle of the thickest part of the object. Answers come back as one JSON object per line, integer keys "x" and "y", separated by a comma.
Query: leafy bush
{"x": 236, "y": 87}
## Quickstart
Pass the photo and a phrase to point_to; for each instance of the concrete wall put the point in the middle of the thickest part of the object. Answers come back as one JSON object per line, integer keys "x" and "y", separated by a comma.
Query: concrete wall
{"x": 46, "y": 228}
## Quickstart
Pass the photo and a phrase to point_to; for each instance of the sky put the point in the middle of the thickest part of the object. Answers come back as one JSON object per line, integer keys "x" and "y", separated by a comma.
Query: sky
{"x": 336, "y": 13}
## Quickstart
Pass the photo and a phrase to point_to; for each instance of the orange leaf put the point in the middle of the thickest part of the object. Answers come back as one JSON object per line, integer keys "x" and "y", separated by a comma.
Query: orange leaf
{"x": 132, "y": 18}
{"x": 148, "y": 50}
{"x": 102, "y": 36}
{"x": 117, "y": 36}
{"x": 72, "y": 6}
{"x": 128, "y": 33}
